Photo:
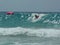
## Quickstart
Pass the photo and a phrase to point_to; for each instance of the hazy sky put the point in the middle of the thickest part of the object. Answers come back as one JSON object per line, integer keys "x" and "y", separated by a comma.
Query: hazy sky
{"x": 30, "y": 5}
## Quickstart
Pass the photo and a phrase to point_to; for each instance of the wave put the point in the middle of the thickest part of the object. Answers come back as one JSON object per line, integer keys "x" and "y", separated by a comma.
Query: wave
{"x": 30, "y": 32}
{"x": 28, "y": 20}
{"x": 17, "y": 43}
{"x": 34, "y": 19}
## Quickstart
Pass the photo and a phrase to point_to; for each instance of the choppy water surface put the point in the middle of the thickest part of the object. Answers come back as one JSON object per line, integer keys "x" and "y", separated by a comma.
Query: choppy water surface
{"x": 25, "y": 29}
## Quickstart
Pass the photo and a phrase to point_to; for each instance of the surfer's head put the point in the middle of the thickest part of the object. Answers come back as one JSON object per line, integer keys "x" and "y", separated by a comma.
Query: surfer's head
{"x": 36, "y": 16}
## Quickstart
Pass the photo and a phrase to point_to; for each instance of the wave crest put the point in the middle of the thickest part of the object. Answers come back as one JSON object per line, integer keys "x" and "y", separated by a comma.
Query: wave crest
{"x": 30, "y": 32}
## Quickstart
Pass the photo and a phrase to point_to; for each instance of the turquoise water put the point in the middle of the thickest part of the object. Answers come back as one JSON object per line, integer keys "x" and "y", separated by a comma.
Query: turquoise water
{"x": 49, "y": 20}
{"x": 23, "y": 28}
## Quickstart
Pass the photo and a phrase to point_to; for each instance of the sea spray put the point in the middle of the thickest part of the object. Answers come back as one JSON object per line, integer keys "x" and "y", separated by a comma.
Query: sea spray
{"x": 23, "y": 28}
{"x": 30, "y": 32}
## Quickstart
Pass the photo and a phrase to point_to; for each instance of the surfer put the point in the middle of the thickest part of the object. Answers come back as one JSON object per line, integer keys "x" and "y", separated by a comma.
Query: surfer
{"x": 10, "y": 13}
{"x": 36, "y": 16}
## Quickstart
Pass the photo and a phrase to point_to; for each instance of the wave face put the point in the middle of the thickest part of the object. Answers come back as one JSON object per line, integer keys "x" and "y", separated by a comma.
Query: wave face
{"x": 20, "y": 23}
{"x": 29, "y": 28}
{"x": 28, "y": 20}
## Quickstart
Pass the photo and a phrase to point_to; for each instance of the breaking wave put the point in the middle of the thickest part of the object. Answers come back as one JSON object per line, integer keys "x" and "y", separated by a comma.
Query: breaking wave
{"x": 23, "y": 24}
{"x": 17, "y": 43}
{"x": 30, "y": 32}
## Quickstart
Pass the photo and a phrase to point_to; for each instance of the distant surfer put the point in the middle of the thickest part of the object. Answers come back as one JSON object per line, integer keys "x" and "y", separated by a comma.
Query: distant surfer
{"x": 10, "y": 13}
{"x": 36, "y": 16}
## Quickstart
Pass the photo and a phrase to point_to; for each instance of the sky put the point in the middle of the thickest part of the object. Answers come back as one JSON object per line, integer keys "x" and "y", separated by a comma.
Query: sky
{"x": 30, "y": 5}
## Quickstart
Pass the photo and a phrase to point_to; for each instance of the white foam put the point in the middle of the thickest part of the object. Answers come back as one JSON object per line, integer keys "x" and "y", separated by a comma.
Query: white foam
{"x": 17, "y": 43}
{"x": 22, "y": 16}
{"x": 30, "y": 32}
{"x": 33, "y": 19}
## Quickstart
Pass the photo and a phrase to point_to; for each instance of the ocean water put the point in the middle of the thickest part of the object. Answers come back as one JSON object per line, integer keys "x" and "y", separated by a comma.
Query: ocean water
{"x": 23, "y": 28}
